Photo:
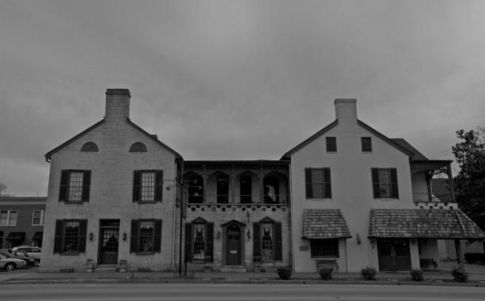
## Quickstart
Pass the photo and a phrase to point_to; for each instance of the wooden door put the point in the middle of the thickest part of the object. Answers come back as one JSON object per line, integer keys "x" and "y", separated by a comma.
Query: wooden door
{"x": 108, "y": 242}
{"x": 394, "y": 255}
{"x": 233, "y": 245}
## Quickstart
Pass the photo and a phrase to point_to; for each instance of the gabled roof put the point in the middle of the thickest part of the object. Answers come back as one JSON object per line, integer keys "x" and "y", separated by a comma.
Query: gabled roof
{"x": 423, "y": 223}
{"x": 324, "y": 224}
{"x": 416, "y": 155}
{"x": 400, "y": 146}
{"x": 48, "y": 156}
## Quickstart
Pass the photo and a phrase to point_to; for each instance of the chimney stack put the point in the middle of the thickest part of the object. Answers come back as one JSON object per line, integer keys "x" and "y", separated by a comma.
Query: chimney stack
{"x": 117, "y": 104}
{"x": 346, "y": 110}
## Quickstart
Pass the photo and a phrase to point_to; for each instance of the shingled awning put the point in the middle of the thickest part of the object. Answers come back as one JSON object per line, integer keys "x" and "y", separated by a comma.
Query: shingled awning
{"x": 422, "y": 223}
{"x": 324, "y": 224}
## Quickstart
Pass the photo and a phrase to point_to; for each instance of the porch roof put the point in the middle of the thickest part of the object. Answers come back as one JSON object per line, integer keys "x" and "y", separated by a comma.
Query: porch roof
{"x": 324, "y": 224}
{"x": 422, "y": 223}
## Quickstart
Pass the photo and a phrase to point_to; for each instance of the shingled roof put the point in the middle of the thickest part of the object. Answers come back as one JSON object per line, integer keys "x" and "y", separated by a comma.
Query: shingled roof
{"x": 324, "y": 224}
{"x": 423, "y": 223}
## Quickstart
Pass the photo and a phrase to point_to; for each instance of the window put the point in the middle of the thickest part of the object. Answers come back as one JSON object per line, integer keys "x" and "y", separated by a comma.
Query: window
{"x": 366, "y": 144}
{"x": 318, "y": 184}
{"x": 222, "y": 189}
{"x": 324, "y": 247}
{"x": 384, "y": 182}
{"x": 271, "y": 189}
{"x": 70, "y": 236}
{"x": 195, "y": 187}
{"x": 89, "y": 147}
{"x": 148, "y": 186}
{"x": 331, "y": 144}
{"x": 75, "y": 186}
{"x": 138, "y": 147}
{"x": 146, "y": 236}
{"x": 37, "y": 217}
{"x": 267, "y": 244}
{"x": 8, "y": 218}
{"x": 199, "y": 241}
{"x": 245, "y": 188}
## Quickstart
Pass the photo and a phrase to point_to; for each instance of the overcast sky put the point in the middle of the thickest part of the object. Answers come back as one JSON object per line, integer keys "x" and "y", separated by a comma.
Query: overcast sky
{"x": 235, "y": 79}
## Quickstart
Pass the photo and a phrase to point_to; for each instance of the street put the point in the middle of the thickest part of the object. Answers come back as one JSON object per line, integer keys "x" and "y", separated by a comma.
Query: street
{"x": 208, "y": 292}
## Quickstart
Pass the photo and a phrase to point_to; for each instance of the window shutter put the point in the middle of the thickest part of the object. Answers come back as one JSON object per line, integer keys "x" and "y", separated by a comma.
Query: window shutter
{"x": 256, "y": 243}
{"x": 82, "y": 235}
{"x": 134, "y": 236}
{"x": 308, "y": 182}
{"x": 58, "y": 236}
{"x": 159, "y": 185}
{"x": 375, "y": 183}
{"x": 210, "y": 242}
{"x": 278, "y": 248}
{"x": 328, "y": 183}
{"x": 157, "y": 241}
{"x": 86, "y": 185}
{"x": 394, "y": 189}
{"x": 63, "y": 186}
{"x": 136, "y": 186}
{"x": 188, "y": 242}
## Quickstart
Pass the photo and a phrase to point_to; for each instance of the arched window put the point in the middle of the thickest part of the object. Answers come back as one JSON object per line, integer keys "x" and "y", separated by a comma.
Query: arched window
{"x": 89, "y": 147}
{"x": 138, "y": 147}
{"x": 195, "y": 187}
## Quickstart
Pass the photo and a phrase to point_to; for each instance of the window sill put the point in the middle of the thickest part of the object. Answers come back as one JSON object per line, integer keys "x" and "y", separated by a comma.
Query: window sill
{"x": 319, "y": 199}
{"x": 74, "y": 202}
{"x": 386, "y": 199}
{"x": 146, "y": 202}
{"x": 145, "y": 253}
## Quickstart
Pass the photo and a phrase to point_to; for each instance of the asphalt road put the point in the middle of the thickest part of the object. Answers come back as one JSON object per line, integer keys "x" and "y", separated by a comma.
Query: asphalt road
{"x": 246, "y": 292}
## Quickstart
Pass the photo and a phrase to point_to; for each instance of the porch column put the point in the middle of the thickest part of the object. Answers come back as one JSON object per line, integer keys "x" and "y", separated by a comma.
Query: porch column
{"x": 459, "y": 255}
{"x": 428, "y": 176}
{"x": 204, "y": 192}
{"x": 450, "y": 180}
{"x": 261, "y": 187}
{"x": 232, "y": 190}
{"x": 414, "y": 253}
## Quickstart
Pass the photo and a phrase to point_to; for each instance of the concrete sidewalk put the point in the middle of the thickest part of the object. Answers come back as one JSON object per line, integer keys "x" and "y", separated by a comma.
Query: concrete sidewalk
{"x": 476, "y": 278}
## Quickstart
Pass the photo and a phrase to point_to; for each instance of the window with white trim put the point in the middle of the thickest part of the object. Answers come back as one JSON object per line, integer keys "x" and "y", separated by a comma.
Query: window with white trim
{"x": 37, "y": 217}
{"x": 8, "y": 218}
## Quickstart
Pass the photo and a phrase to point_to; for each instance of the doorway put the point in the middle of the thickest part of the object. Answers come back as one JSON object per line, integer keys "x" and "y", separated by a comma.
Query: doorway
{"x": 108, "y": 241}
{"x": 233, "y": 245}
{"x": 394, "y": 255}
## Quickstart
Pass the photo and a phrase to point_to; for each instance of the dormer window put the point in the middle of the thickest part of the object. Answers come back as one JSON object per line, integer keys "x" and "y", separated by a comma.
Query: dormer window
{"x": 138, "y": 147}
{"x": 89, "y": 147}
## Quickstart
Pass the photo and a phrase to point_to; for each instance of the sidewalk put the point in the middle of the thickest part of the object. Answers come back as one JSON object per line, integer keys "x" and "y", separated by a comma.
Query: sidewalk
{"x": 476, "y": 277}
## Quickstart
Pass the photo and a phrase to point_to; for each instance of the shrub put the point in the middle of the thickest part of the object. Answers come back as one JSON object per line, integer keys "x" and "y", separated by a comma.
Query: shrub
{"x": 368, "y": 273}
{"x": 459, "y": 274}
{"x": 284, "y": 273}
{"x": 475, "y": 257}
{"x": 326, "y": 273}
{"x": 417, "y": 275}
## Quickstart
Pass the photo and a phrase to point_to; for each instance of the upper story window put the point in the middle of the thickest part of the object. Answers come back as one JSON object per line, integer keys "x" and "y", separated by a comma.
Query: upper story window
{"x": 318, "y": 183}
{"x": 75, "y": 185}
{"x": 89, "y": 147}
{"x": 146, "y": 236}
{"x": 8, "y": 218}
{"x": 324, "y": 248}
{"x": 70, "y": 236}
{"x": 366, "y": 143}
{"x": 37, "y": 217}
{"x": 246, "y": 188}
{"x": 271, "y": 184}
{"x": 222, "y": 188}
{"x": 384, "y": 182}
{"x": 138, "y": 147}
{"x": 331, "y": 143}
{"x": 148, "y": 186}
{"x": 195, "y": 187}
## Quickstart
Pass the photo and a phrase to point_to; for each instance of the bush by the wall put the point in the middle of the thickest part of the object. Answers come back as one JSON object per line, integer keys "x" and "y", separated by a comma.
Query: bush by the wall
{"x": 417, "y": 275}
{"x": 284, "y": 273}
{"x": 326, "y": 273}
{"x": 459, "y": 274}
{"x": 368, "y": 273}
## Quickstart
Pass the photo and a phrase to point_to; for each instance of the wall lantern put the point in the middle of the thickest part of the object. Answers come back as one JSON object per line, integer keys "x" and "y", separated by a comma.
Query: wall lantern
{"x": 91, "y": 236}
{"x": 124, "y": 236}
{"x": 359, "y": 241}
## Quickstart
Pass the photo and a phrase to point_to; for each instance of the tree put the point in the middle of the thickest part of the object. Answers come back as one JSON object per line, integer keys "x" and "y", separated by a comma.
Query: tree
{"x": 3, "y": 187}
{"x": 470, "y": 181}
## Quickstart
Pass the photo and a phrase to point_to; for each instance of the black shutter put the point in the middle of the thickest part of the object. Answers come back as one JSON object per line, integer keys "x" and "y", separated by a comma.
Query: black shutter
{"x": 86, "y": 185}
{"x": 328, "y": 183}
{"x": 136, "y": 186}
{"x": 159, "y": 185}
{"x": 209, "y": 254}
{"x": 375, "y": 183}
{"x": 82, "y": 235}
{"x": 256, "y": 243}
{"x": 308, "y": 182}
{"x": 188, "y": 242}
{"x": 278, "y": 247}
{"x": 64, "y": 186}
{"x": 157, "y": 241}
{"x": 134, "y": 236}
{"x": 58, "y": 236}
{"x": 394, "y": 189}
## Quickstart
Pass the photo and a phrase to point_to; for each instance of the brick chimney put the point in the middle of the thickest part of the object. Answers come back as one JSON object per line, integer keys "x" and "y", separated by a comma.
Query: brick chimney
{"x": 117, "y": 104}
{"x": 346, "y": 110}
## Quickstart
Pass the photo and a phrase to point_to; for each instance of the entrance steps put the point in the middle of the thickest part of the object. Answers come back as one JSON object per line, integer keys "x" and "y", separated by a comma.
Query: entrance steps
{"x": 233, "y": 269}
{"x": 106, "y": 268}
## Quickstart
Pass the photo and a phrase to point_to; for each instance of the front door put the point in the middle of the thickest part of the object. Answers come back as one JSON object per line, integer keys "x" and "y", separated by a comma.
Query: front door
{"x": 108, "y": 241}
{"x": 394, "y": 254}
{"x": 233, "y": 245}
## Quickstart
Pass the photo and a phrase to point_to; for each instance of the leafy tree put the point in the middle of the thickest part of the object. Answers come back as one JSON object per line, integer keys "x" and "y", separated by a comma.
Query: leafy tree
{"x": 470, "y": 181}
{"x": 3, "y": 187}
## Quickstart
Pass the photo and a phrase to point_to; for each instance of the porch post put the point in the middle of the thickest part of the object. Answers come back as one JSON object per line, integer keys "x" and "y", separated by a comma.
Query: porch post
{"x": 450, "y": 180}
{"x": 428, "y": 176}
{"x": 414, "y": 253}
{"x": 459, "y": 255}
